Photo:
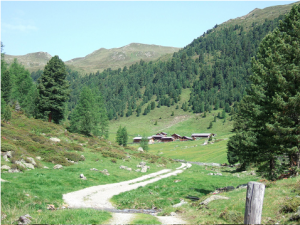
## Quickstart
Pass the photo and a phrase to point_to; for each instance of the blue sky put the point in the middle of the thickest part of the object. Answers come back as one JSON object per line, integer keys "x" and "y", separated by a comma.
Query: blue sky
{"x": 75, "y": 29}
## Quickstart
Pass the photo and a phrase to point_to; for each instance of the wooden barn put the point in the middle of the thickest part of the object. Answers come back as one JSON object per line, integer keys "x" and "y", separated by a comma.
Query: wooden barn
{"x": 185, "y": 138}
{"x": 157, "y": 137}
{"x": 162, "y": 134}
{"x": 176, "y": 136}
{"x": 167, "y": 139}
{"x": 137, "y": 139}
{"x": 202, "y": 135}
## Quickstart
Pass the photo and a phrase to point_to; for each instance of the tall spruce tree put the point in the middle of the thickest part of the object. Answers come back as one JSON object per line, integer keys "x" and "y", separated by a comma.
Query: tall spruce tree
{"x": 89, "y": 116}
{"x": 53, "y": 90}
{"x": 268, "y": 120}
{"x": 82, "y": 118}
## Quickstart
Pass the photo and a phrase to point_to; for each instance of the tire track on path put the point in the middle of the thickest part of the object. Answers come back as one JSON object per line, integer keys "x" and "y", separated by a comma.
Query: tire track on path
{"x": 98, "y": 197}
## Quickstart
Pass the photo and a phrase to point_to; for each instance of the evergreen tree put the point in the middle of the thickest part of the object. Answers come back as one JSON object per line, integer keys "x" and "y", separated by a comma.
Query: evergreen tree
{"x": 268, "y": 119}
{"x": 144, "y": 143}
{"x": 89, "y": 116}
{"x": 83, "y": 117}
{"x": 124, "y": 136}
{"x": 53, "y": 90}
{"x": 119, "y": 139}
{"x": 6, "y": 86}
{"x": 7, "y": 113}
{"x": 210, "y": 125}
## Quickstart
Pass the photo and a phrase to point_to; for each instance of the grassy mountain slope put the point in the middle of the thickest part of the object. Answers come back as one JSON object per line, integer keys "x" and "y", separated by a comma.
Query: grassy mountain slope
{"x": 31, "y": 191}
{"x": 258, "y": 16}
{"x": 183, "y": 123}
{"x": 119, "y": 57}
{"x": 31, "y": 61}
{"x": 100, "y": 59}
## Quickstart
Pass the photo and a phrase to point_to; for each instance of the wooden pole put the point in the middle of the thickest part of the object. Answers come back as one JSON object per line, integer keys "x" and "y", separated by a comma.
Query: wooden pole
{"x": 254, "y": 202}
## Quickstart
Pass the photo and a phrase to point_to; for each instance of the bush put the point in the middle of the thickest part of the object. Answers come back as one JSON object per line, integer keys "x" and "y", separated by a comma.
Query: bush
{"x": 232, "y": 216}
{"x": 38, "y": 139}
{"x": 57, "y": 160}
{"x": 290, "y": 205}
{"x": 73, "y": 156}
{"x": 5, "y": 147}
{"x": 113, "y": 160}
{"x": 16, "y": 166}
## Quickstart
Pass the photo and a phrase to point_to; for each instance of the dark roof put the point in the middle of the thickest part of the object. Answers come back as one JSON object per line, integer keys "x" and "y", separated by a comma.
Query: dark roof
{"x": 189, "y": 138}
{"x": 176, "y": 135}
{"x": 157, "y": 136}
{"x": 167, "y": 138}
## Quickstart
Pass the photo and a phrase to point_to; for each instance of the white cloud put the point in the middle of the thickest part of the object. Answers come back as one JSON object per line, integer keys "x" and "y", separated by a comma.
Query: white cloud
{"x": 20, "y": 27}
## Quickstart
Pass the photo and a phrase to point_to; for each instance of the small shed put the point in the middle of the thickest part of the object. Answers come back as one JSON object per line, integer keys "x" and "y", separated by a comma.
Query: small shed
{"x": 137, "y": 139}
{"x": 162, "y": 133}
{"x": 157, "y": 137}
{"x": 185, "y": 138}
{"x": 202, "y": 135}
{"x": 167, "y": 139}
{"x": 176, "y": 136}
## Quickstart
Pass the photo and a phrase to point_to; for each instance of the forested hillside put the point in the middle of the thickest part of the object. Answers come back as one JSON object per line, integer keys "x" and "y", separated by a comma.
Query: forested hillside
{"x": 216, "y": 67}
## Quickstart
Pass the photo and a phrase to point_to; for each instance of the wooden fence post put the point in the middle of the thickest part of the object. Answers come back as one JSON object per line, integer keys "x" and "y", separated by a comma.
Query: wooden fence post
{"x": 254, "y": 202}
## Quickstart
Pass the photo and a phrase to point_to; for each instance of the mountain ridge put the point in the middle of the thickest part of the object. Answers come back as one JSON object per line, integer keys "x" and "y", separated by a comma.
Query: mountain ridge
{"x": 99, "y": 59}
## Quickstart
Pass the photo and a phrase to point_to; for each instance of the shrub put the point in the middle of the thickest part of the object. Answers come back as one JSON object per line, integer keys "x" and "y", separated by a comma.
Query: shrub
{"x": 113, "y": 160}
{"x": 77, "y": 148}
{"x": 16, "y": 166}
{"x": 5, "y": 147}
{"x": 290, "y": 205}
{"x": 73, "y": 156}
{"x": 232, "y": 216}
{"x": 38, "y": 139}
{"x": 57, "y": 160}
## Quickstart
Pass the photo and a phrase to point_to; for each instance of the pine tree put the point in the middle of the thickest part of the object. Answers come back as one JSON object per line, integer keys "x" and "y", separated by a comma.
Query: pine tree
{"x": 82, "y": 118}
{"x": 7, "y": 113}
{"x": 53, "y": 90}
{"x": 124, "y": 136}
{"x": 119, "y": 139}
{"x": 268, "y": 119}
{"x": 89, "y": 116}
{"x": 6, "y": 86}
{"x": 144, "y": 143}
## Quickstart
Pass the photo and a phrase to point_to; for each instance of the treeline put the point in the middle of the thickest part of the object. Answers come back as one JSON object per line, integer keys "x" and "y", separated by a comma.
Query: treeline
{"x": 45, "y": 95}
{"x": 215, "y": 66}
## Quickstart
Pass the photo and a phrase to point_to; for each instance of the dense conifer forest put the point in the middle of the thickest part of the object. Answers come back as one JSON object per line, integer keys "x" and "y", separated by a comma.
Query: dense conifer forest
{"x": 215, "y": 66}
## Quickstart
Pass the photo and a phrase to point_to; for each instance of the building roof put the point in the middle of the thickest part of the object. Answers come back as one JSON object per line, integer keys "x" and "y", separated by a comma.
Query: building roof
{"x": 167, "y": 138}
{"x": 157, "y": 136}
{"x": 137, "y": 138}
{"x": 187, "y": 137}
{"x": 176, "y": 135}
{"x": 201, "y": 134}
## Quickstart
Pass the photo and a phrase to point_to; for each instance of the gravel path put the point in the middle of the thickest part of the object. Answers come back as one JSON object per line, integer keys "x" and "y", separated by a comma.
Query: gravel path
{"x": 121, "y": 218}
{"x": 170, "y": 220}
{"x": 97, "y": 197}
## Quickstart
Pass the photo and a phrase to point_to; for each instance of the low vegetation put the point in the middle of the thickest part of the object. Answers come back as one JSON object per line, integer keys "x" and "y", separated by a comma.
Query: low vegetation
{"x": 32, "y": 191}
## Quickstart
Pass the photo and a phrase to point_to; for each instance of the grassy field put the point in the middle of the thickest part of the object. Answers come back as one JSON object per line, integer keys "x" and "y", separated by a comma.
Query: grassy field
{"x": 197, "y": 183}
{"x": 30, "y": 192}
{"x": 192, "y": 151}
{"x": 183, "y": 123}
